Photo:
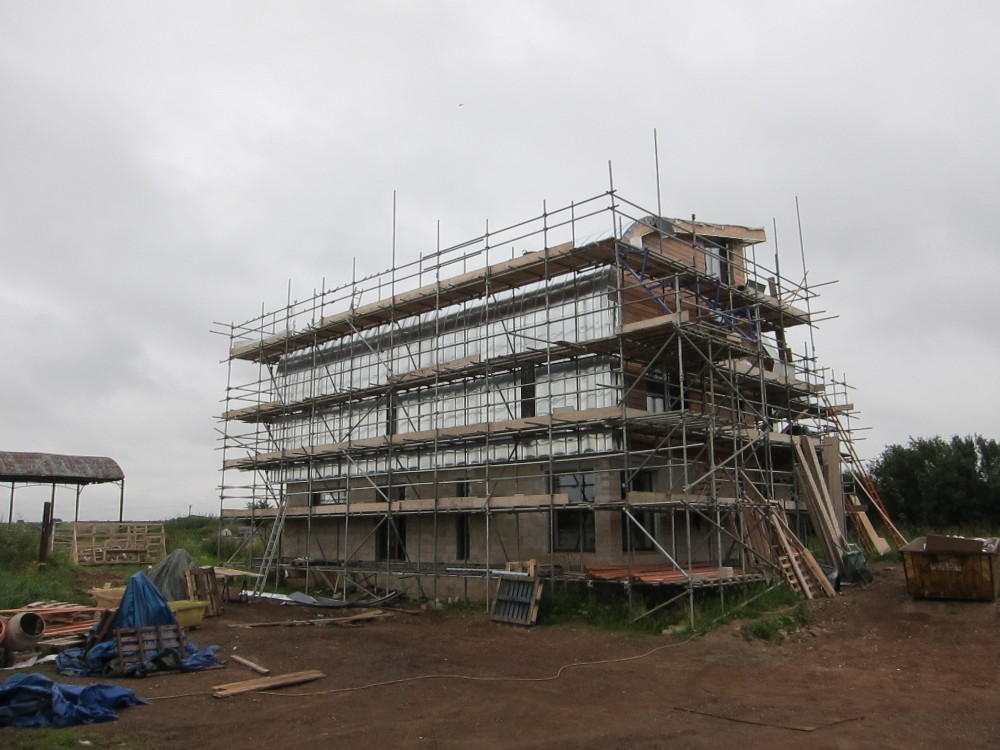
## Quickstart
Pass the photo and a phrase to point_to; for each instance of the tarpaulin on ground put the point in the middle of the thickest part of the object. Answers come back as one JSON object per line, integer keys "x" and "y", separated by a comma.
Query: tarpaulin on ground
{"x": 168, "y": 574}
{"x": 142, "y": 605}
{"x": 33, "y": 700}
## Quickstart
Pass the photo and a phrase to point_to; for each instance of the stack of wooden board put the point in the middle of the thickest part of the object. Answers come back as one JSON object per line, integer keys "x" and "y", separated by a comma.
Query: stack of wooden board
{"x": 660, "y": 573}
{"x": 874, "y": 545}
{"x": 264, "y": 683}
{"x": 61, "y": 618}
{"x": 814, "y": 492}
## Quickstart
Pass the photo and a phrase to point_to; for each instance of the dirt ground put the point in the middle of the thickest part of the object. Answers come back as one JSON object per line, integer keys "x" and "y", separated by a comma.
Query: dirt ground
{"x": 875, "y": 670}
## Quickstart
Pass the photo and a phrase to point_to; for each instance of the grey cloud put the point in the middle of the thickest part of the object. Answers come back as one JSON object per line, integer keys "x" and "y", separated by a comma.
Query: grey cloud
{"x": 167, "y": 165}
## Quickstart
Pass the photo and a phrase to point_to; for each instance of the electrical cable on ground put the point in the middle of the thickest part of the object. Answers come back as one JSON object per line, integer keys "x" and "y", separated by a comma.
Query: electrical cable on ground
{"x": 470, "y": 678}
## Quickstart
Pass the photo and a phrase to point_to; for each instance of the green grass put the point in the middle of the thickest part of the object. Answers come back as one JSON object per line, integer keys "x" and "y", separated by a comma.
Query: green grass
{"x": 57, "y": 580}
{"x": 774, "y": 627}
{"x": 19, "y": 544}
{"x": 202, "y": 537}
{"x": 607, "y": 606}
{"x": 59, "y": 739}
{"x": 24, "y": 579}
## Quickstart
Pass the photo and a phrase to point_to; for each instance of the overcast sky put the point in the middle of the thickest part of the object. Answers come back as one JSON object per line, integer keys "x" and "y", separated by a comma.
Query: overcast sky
{"x": 165, "y": 165}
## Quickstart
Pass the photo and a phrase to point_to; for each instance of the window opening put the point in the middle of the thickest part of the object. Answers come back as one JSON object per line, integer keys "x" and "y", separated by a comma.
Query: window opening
{"x": 632, "y": 538}
{"x": 527, "y": 391}
{"x": 463, "y": 525}
{"x": 574, "y": 531}
{"x": 390, "y": 543}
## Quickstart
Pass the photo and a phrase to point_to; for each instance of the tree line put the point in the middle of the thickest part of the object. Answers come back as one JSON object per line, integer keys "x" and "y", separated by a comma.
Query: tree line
{"x": 938, "y": 483}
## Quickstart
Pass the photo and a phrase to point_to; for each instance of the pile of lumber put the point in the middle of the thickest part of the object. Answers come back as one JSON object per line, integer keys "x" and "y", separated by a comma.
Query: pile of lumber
{"x": 769, "y": 537}
{"x": 873, "y": 544}
{"x": 265, "y": 683}
{"x": 61, "y": 618}
{"x": 797, "y": 563}
{"x": 659, "y": 573}
{"x": 816, "y": 495}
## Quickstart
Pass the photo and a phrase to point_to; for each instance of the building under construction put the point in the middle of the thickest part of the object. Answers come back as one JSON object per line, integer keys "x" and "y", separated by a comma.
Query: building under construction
{"x": 603, "y": 391}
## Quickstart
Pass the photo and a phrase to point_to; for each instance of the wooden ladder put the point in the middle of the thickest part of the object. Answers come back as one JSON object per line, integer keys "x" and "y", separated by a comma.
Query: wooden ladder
{"x": 857, "y": 469}
{"x": 806, "y": 585}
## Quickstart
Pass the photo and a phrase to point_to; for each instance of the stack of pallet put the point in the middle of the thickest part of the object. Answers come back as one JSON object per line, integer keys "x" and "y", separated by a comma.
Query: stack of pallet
{"x": 201, "y": 587}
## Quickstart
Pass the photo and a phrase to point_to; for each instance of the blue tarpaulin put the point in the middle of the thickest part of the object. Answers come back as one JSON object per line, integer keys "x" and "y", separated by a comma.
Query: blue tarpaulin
{"x": 33, "y": 700}
{"x": 142, "y": 605}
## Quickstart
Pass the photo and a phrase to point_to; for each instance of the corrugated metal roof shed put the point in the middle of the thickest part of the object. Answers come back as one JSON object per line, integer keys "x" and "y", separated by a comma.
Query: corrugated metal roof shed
{"x": 53, "y": 467}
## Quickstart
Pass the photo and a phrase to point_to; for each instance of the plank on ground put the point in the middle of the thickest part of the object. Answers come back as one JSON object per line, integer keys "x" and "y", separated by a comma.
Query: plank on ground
{"x": 373, "y": 615}
{"x": 251, "y": 665}
{"x": 264, "y": 683}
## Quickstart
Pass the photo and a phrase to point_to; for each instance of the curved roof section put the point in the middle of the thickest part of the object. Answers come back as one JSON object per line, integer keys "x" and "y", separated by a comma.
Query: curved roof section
{"x": 53, "y": 467}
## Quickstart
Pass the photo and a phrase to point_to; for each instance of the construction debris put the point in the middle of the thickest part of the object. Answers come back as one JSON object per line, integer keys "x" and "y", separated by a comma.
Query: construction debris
{"x": 266, "y": 683}
{"x": 360, "y": 617}
{"x": 60, "y": 618}
{"x": 250, "y": 665}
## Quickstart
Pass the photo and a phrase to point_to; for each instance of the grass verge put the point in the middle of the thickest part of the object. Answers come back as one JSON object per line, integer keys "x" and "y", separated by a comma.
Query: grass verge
{"x": 59, "y": 739}
{"x": 607, "y": 606}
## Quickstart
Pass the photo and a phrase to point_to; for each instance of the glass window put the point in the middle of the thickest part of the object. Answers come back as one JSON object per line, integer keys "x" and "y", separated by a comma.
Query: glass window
{"x": 633, "y": 538}
{"x": 574, "y": 531}
{"x": 580, "y": 487}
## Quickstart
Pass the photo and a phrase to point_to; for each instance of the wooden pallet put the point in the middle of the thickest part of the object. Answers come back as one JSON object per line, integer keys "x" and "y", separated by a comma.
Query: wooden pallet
{"x": 517, "y": 601}
{"x": 136, "y": 646}
{"x": 111, "y": 543}
{"x": 201, "y": 587}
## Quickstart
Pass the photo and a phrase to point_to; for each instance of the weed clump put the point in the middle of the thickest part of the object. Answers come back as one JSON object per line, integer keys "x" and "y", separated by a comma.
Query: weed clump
{"x": 775, "y": 628}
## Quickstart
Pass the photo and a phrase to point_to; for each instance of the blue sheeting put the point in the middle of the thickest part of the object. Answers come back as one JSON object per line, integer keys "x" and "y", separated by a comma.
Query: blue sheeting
{"x": 142, "y": 605}
{"x": 33, "y": 700}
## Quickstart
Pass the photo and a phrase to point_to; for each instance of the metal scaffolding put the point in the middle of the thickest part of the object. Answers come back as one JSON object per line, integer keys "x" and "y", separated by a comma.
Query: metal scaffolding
{"x": 608, "y": 391}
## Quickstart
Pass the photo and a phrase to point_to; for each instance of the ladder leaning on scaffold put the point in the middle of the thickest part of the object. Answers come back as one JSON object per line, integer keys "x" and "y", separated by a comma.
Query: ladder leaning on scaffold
{"x": 860, "y": 473}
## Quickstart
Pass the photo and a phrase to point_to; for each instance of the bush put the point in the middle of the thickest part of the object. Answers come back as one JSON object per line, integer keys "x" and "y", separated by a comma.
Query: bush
{"x": 933, "y": 483}
{"x": 19, "y": 543}
{"x": 202, "y": 537}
